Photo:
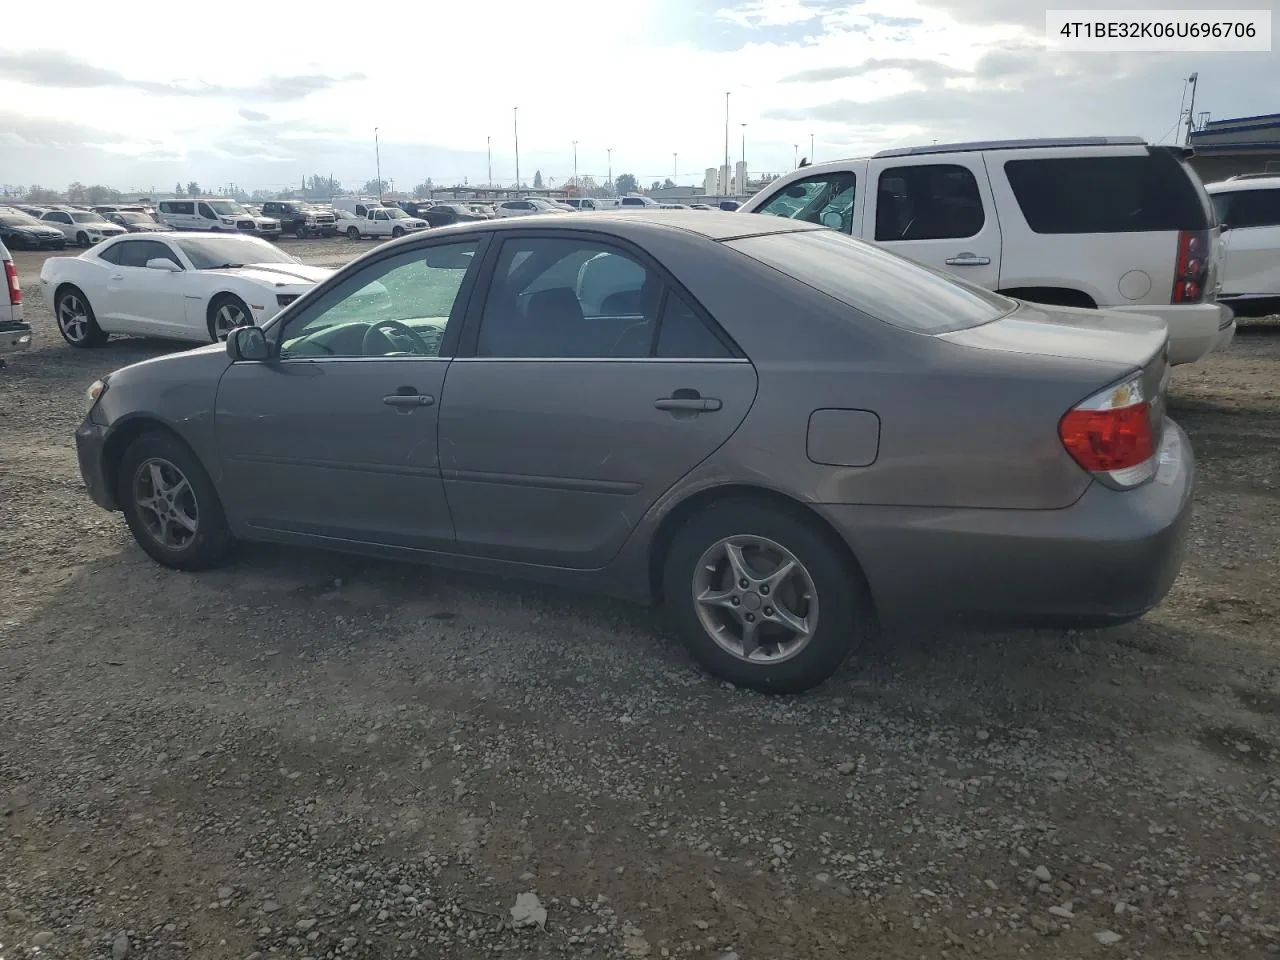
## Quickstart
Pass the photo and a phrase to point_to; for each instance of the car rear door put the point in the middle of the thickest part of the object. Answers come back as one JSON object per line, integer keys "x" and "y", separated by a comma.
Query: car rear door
{"x": 565, "y": 416}
{"x": 1251, "y": 241}
{"x": 937, "y": 212}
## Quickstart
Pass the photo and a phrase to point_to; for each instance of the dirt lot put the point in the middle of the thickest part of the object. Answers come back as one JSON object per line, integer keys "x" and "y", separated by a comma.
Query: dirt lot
{"x": 306, "y": 755}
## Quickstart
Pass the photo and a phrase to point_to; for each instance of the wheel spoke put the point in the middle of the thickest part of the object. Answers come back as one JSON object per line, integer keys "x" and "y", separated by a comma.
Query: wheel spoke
{"x": 775, "y": 579}
{"x": 750, "y": 638}
{"x": 738, "y": 563}
{"x": 797, "y": 625}
{"x": 183, "y": 520}
{"x": 158, "y": 486}
{"x": 717, "y": 598}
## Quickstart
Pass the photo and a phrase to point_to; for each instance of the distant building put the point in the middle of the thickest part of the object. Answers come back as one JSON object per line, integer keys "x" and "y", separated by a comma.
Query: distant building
{"x": 1224, "y": 148}
{"x": 740, "y": 178}
{"x": 711, "y": 181}
{"x": 726, "y": 181}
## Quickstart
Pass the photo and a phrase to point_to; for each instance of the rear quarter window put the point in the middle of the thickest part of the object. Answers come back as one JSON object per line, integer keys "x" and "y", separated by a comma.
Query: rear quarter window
{"x": 1137, "y": 194}
{"x": 876, "y": 282}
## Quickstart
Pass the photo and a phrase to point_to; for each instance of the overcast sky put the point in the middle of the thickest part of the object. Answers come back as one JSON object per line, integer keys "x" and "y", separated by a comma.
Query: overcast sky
{"x": 262, "y": 96}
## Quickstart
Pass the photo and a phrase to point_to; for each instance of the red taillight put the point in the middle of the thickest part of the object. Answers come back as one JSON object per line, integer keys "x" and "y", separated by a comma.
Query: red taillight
{"x": 15, "y": 289}
{"x": 1192, "y": 266}
{"x": 1111, "y": 434}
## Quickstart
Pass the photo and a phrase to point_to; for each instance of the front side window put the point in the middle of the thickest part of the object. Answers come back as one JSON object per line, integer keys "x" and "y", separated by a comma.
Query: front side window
{"x": 398, "y": 307}
{"x": 380, "y": 215}
{"x": 136, "y": 253}
{"x": 938, "y": 201}
{"x": 876, "y": 282}
{"x": 58, "y": 217}
{"x": 1248, "y": 208}
{"x": 206, "y": 211}
{"x": 826, "y": 199}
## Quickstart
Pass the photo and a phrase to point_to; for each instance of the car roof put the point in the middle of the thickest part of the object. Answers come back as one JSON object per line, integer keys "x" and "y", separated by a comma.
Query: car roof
{"x": 1246, "y": 182}
{"x": 635, "y": 223}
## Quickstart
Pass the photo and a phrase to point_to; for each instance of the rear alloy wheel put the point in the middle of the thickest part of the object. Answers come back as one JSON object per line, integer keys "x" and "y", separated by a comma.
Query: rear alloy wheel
{"x": 171, "y": 505}
{"x": 762, "y": 598}
{"x": 226, "y": 313}
{"x": 76, "y": 322}
{"x": 397, "y": 232}
{"x": 353, "y": 233}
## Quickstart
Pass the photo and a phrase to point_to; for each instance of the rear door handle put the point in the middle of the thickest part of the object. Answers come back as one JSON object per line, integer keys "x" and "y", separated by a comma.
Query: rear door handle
{"x": 967, "y": 259}
{"x": 408, "y": 400}
{"x": 693, "y": 404}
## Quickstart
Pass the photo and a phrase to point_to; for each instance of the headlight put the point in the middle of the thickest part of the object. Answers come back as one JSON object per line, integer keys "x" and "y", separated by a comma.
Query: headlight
{"x": 94, "y": 393}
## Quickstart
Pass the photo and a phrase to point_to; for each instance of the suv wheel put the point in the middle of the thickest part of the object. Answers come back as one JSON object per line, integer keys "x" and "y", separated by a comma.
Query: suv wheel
{"x": 82, "y": 239}
{"x": 762, "y": 598}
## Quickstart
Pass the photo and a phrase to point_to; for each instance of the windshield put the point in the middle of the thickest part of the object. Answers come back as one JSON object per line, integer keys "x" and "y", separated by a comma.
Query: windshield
{"x": 210, "y": 253}
{"x": 543, "y": 204}
{"x": 18, "y": 220}
{"x": 395, "y": 213}
{"x": 127, "y": 217}
{"x": 227, "y": 208}
{"x": 87, "y": 218}
{"x": 878, "y": 283}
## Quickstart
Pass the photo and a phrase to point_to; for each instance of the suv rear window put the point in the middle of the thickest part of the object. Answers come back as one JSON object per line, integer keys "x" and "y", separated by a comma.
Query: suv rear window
{"x": 1109, "y": 194}
{"x": 878, "y": 283}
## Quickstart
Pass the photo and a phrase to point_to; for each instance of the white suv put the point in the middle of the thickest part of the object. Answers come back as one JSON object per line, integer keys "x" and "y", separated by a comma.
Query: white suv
{"x": 1248, "y": 208}
{"x": 215, "y": 214}
{"x": 83, "y": 227}
{"x": 1089, "y": 222}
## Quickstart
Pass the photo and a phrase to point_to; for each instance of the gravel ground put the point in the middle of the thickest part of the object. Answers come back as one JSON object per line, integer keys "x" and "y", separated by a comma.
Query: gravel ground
{"x": 307, "y": 755}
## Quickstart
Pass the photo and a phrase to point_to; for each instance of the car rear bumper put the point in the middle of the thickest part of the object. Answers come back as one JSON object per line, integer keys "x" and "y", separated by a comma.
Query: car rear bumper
{"x": 1195, "y": 329}
{"x": 14, "y": 337}
{"x": 1109, "y": 557}
{"x": 91, "y": 442}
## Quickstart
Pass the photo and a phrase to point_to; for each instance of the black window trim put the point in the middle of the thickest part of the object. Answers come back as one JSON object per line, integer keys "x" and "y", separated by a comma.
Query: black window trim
{"x": 1234, "y": 198}
{"x": 470, "y": 335}
{"x": 452, "y": 331}
{"x": 171, "y": 254}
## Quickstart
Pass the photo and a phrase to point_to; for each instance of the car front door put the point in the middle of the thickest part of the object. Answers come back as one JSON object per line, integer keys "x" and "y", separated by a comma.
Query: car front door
{"x": 335, "y": 439}
{"x": 833, "y": 199}
{"x": 207, "y": 219}
{"x": 144, "y": 300}
{"x": 939, "y": 214}
{"x": 576, "y": 402}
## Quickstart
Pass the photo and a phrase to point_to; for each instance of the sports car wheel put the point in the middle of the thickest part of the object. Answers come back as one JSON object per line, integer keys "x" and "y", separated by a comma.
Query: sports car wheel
{"x": 225, "y": 314}
{"x": 76, "y": 322}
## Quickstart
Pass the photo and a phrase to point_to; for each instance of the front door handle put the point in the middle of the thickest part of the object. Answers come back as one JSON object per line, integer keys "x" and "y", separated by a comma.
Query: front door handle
{"x": 693, "y": 404}
{"x": 408, "y": 400}
{"x": 967, "y": 259}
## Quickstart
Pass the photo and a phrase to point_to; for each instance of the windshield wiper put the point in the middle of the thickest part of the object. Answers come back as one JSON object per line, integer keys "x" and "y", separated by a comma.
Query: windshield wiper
{"x": 225, "y": 266}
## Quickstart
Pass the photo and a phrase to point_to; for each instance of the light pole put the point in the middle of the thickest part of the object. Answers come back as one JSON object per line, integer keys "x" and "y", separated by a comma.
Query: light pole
{"x": 811, "y": 160}
{"x": 489, "y": 144}
{"x": 377, "y": 156}
{"x": 675, "y": 167}
{"x": 515, "y": 125}
{"x": 609, "y": 150}
{"x": 575, "y": 163}
{"x": 796, "y": 146}
{"x": 744, "y": 158}
{"x": 725, "y": 186}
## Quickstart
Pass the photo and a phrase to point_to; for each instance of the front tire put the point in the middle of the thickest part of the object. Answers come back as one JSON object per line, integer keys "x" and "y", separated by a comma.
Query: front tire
{"x": 82, "y": 239}
{"x": 353, "y": 233}
{"x": 171, "y": 505}
{"x": 762, "y": 598}
{"x": 397, "y": 232}
{"x": 76, "y": 321}
{"x": 302, "y": 233}
{"x": 226, "y": 313}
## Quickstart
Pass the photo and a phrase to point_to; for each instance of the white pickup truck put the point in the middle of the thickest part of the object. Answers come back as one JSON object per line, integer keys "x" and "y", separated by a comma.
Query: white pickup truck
{"x": 372, "y": 219}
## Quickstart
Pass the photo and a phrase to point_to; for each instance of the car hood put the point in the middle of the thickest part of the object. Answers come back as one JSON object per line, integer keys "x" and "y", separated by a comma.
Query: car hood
{"x": 278, "y": 274}
{"x": 1069, "y": 332}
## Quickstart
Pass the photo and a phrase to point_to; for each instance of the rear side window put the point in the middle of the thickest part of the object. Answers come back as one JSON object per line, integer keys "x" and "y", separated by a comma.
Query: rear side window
{"x": 937, "y": 201}
{"x": 876, "y": 282}
{"x": 1109, "y": 194}
{"x": 1248, "y": 208}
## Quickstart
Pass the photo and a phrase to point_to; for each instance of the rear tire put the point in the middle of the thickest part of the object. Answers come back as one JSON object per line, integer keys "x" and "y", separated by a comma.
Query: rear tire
{"x": 226, "y": 313}
{"x": 823, "y": 593}
{"x": 165, "y": 492}
{"x": 353, "y": 233}
{"x": 76, "y": 321}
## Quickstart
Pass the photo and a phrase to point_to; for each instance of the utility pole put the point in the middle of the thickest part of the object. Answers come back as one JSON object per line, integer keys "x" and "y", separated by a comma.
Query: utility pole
{"x": 377, "y": 153}
{"x": 675, "y": 167}
{"x": 515, "y": 114}
{"x": 1191, "y": 110}
{"x": 489, "y": 144}
{"x": 725, "y": 186}
{"x": 609, "y": 150}
{"x": 575, "y": 163}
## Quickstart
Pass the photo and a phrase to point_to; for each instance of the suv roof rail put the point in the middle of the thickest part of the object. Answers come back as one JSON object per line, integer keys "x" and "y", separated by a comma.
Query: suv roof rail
{"x": 1272, "y": 175}
{"x": 1041, "y": 142}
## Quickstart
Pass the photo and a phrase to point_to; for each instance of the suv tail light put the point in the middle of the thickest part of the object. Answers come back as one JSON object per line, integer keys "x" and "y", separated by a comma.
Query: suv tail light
{"x": 1110, "y": 434}
{"x": 15, "y": 289}
{"x": 1192, "y": 267}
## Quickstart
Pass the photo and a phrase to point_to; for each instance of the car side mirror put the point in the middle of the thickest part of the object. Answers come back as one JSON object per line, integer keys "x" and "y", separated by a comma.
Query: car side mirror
{"x": 162, "y": 263}
{"x": 248, "y": 343}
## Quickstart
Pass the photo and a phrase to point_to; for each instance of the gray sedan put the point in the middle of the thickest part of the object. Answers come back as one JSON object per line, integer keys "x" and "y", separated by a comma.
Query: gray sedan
{"x": 783, "y": 434}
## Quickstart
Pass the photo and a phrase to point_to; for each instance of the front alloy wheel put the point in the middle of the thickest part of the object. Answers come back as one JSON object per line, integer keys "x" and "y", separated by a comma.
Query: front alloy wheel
{"x": 227, "y": 317}
{"x": 166, "y": 504}
{"x": 755, "y": 599}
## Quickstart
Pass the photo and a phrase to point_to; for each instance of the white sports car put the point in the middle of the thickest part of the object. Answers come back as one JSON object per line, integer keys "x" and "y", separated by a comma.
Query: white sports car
{"x": 179, "y": 286}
